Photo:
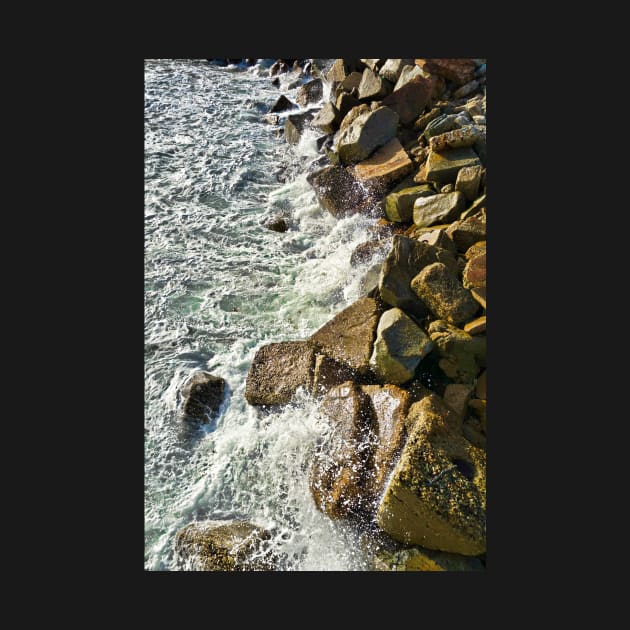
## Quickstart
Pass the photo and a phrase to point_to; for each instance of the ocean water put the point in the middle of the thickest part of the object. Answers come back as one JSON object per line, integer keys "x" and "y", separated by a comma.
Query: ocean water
{"x": 218, "y": 286}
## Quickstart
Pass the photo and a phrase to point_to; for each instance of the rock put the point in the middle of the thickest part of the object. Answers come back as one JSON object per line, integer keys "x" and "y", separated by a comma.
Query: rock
{"x": 339, "y": 192}
{"x": 468, "y": 232}
{"x": 353, "y": 114}
{"x": 419, "y": 559}
{"x": 443, "y": 167}
{"x": 461, "y": 356}
{"x": 272, "y": 119}
{"x": 478, "y": 407}
{"x": 473, "y": 431}
{"x": 399, "y": 205}
{"x": 389, "y": 408}
{"x": 276, "y": 224}
{"x": 480, "y": 390}
{"x": 476, "y": 326}
{"x": 202, "y": 396}
{"x": 407, "y": 74}
{"x": 327, "y": 119}
{"x": 351, "y": 82}
{"x": 474, "y": 250}
{"x": 275, "y": 82}
{"x": 443, "y": 294}
{"x": 437, "y": 494}
{"x": 442, "y": 123}
{"x": 345, "y": 102}
{"x": 294, "y": 126}
{"x": 425, "y": 119}
{"x": 448, "y": 188}
{"x": 459, "y": 71}
{"x": 480, "y": 296}
{"x": 310, "y": 92}
{"x": 329, "y": 373}
{"x": 366, "y": 133}
{"x": 369, "y": 282}
{"x": 282, "y": 104}
{"x": 466, "y": 89}
{"x": 439, "y": 208}
{"x": 224, "y": 546}
{"x": 348, "y": 337}
{"x": 275, "y": 68}
{"x": 468, "y": 180}
{"x": 477, "y": 207}
{"x": 438, "y": 238}
{"x": 340, "y": 69}
{"x": 409, "y": 100}
{"x": 276, "y": 372}
{"x": 339, "y": 475}
{"x": 466, "y": 136}
{"x": 474, "y": 276}
{"x": 406, "y": 258}
{"x": 393, "y": 67}
{"x": 399, "y": 347}
{"x": 373, "y": 64}
{"x": 373, "y": 87}
{"x": 386, "y": 165}
{"x": 364, "y": 252}
{"x": 479, "y": 120}
{"x": 456, "y": 396}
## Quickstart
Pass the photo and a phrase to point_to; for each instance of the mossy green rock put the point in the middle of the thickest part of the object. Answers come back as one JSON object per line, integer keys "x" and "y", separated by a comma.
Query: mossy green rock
{"x": 462, "y": 356}
{"x": 436, "y": 497}
{"x": 399, "y": 205}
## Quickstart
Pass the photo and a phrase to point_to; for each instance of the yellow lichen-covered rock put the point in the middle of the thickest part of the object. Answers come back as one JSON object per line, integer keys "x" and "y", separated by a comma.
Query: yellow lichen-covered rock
{"x": 436, "y": 497}
{"x": 419, "y": 559}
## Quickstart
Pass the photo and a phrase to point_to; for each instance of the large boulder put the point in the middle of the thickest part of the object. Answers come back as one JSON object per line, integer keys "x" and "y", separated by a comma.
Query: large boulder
{"x": 282, "y": 104}
{"x": 409, "y": 100}
{"x": 399, "y": 347}
{"x": 278, "y": 370}
{"x": 202, "y": 396}
{"x": 437, "y": 209}
{"x": 224, "y": 546}
{"x": 407, "y": 74}
{"x": 393, "y": 67}
{"x": 327, "y": 119}
{"x": 466, "y": 136}
{"x": 436, "y": 497}
{"x": 444, "y": 294}
{"x": 468, "y": 181}
{"x": 348, "y": 337}
{"x": 385, "y": 166}
{"x": 345, "y": 102}
{"x": 340, "y": 475}
{"x": 462, "y": 356}
{"x": 294, "y": 125}
{"x": 339, "y": 192}
{"x": 366, "y": 133}
{"x": 310, "y": 92}
{"x": 399, "y": 205}
{"x": 328, "y": 373}
{"x": 341, "y": 68}
{"x": 351, "y": 82}
{"x": 469, "y": 231}
{"x": 373, "y": 87}
{"x": 442, "y": 168}
{"x": 459, "y": 71}
{"x": 406, "y": 258}
{"x": 439, "y": 238}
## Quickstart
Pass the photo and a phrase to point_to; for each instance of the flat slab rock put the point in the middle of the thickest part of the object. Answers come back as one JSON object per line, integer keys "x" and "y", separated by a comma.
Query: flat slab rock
{"x": 443, "y": 167}
{"x": 387, "y": 165}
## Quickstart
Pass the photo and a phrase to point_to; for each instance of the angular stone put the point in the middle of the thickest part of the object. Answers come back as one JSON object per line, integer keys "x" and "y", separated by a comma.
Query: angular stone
{"x": 345, "y": 102}
{"x": 456, "y": 396}
{"x": 352, "y": 115}
{"x": 448, "y": 188}
{"x": 369, "y": 282}
{"x": 276, "y": 224}
{"x": 282, "y": 104}
{"x": 419, "y": 559}
{"x": 399, "y": 347}
{"x": 349, "y": 336}
{"x": 367, "y": 250}
{"x": 329, "y": 373}
{"x": 310, "y": 92}
{"x": 466, "y": 136}
{"x": 340, "y": 69}
{"x": 385, "y": 166}
{"x": 373, "y": 64}
{"x": 327, "y": 119}
{"x": 422, "y": 122}
{"x": 409, "y": 100}
{"x": 442, "y": 123}
{"x": 437, "y": 494}
{"x": 467, "y": 232}
{"x": 294, "y": 126}
{"x": 438, "y": 238}
{"x": 443, "y": 167}
{"x": 482, "y": 383}
{"x": 459, "y": 71}
{"x": 278, "y": 370}
{"x": 340, "y": 478}
{"x": 351, "y": 82}
{"x": 373, "y": 87}
{"x": 480, "y": 296}
{"x": 393, "y": 67}
{"x": 399, "y": 205}
{"x": 406, "y": 258}
{"x": 461, "y": 356}
{"x": 443, "y": 294}
{"x": 202, "y": 396}
{"x": 407, "y": 74}
{"x": 466, "y": 89}
{"x": 339, "y": 192}
{"x": 468, "y": 180}
{"x": 474, "y": 250}
{"x": 478, "y": 407}
{"x": 439, "y": 208}
{"x": 476, "y": 208}
{"x": 366, "y": 133}
{"x": 224, "y": 546}
{"x": 476, "y": 326}
{"x": 474, "y": 276}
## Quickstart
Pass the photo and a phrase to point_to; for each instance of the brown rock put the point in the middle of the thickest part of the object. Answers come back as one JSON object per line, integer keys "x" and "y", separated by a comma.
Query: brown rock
{"x": 469, "y": 231}
{"x": 372, "y": 86}
{"x": 393, "y": 67}
{"x": 373, "y": 64}
{"x": 474, "y": 432}
{"x": 466, "y": 136}
{"x": 456, "y": 396}
{"x": 294, "y": 126}
{"x": 386, "y": 165}
{"x": 346, "y": 102}
{"x": 282, "y": 104}
{"x": 310, "y": 92}
{"x": 474, "y": 276}
{"x": 439, "y": 238}
{"x": 351, "y": 82}
{"x": 202, "y": 396}
{"x": 443, "y": 167}
{"x": 329, "y": 373}
{"x": 399, "y": 203}
{"x": 474, "y": 250}
{"x": 476, "y": 326}
{"x": 466, "y": 89}
{"x": 409, "y": 100}
{"x": 425, "y": 119}
{"x": 419, "y": 559}
{"x": 480, "y": 296}
{"x": 327, "y": 119}
{"x": 366, "y": 251}
{"x": 468, "y": 180}
{"x": 459, "y": 71}
{"x": 439, "y": 208}
{"x": 480, "y": 390}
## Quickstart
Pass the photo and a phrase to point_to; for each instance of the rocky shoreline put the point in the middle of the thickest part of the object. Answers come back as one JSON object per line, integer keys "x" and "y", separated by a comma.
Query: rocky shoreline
{"x": 401, "y": 372}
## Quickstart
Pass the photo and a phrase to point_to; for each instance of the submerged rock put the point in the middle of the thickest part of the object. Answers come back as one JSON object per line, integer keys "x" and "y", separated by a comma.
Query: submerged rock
{"x": 276, "y": 224}
{"x": 282, "y": 104}
{"x": 339, "y": 192}
{"x": 202, "y": 396}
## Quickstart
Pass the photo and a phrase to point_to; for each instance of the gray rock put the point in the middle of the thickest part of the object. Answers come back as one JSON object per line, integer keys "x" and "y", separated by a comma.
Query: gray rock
{"x": 310, "y": 92}
{"x": 408, "y": 73}
{"x": 442, "y": 168}
{"x": 374, "y": 64}
{"x": 282, "y": 104}
{"x": 202, "y": 396}
{"x": 468, "y": 180}
{"x": 294, "y": 126}
{"x": 372, "y": 86}
{"x": 351, "y": 82}
{"x": 438, "y": 209}
{"x": 393, "y": 67}
{"x": 327, "y": 119}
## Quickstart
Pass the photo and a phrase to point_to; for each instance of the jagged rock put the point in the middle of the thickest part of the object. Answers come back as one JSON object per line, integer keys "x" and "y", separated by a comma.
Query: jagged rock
{"x": 345, "y": 102}
{"x": 439, "y": 238}
{"x": 466, "y": 136}
{"x": 282, "y": 104}
{"x": 366, "y": 133}
{"x": 468, "y": 232}
{"x": 466, "y": 89}
{"x": 353, "y": 114}
{"x": 373, "y": 87}
{"x": 439, "y": 208}
{"x": 310, "y": 92}
{"x": 474, "y": 276}
{"x": 339, "y": 192}
{"x": 340, "y": 475}
{"x": 456, "y": 396}
{"x": 373, "y": 64}
{"x": 329, "y": 373}
{"x": 468, "y": 180}
{"x": 399, "y": 205}
{"x": 419, "y": 559}
{"x": 474, "y": 250}
{"x": 476, "y": 326}
{"x": 294, "y": 126}
{"x": 327, "y": 119}
{"x": 461, "y": 356}
{"x": 202, "y": 396}
{"x": 442, "y": 123}
{"x": 409, "y": 100}
{"x": 276, "y": 372}
{"x": 385, "y": 166}
{"x": 406, "y": 258}
{"x": 399, "y": 347}
{"x": 459, "y": 71}
{"x": 349, "y": 336}
{"x": 437, "y": 494}
{"x": 393, "y": 67}
{"x": 276, "y": 224}
{"x": 443, "y": 167}
{"x": 369, "y": 282}
{"x": 443, "y": 294}
{"x": 341, "y": 68}
{"x": 422, "y": 122}
{"x": 224, "y": 546}
{"x": 407, "y": 74}
{"x": 476, "y": 207}
{"x": 351, "y": 82}
{"x": 366, "y": 251}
